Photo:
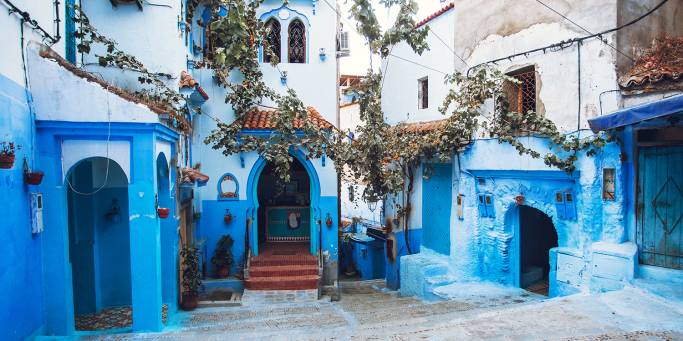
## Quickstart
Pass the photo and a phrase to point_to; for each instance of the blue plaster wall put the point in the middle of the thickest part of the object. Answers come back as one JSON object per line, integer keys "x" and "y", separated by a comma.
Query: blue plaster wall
{"x": 393, "y": 268}
{"x": 436, "y": 208}
{"x": 211, "y": 227}
{"x": 21, "y": 265}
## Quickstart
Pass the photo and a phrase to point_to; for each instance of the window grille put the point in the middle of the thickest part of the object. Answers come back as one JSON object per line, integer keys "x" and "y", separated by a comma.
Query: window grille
{"x": 522, "y": 96}
{"x": 423, "y": 93}
{"x": 273, "y": 40}
{"x": 297, "y": 42}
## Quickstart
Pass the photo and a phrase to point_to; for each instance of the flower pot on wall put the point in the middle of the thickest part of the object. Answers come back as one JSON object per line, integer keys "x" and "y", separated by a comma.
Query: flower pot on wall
{"x": 6, "y": 161}
{"x": 189, "y": 301}
{"x": 223, "y": 272}
{"x": 163, "y": 212}
{"x": 33, "y": 178}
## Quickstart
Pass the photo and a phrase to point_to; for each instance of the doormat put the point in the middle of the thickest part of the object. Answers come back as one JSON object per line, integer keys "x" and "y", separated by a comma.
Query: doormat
{"x": 112, "y": 318}
{"x": 284, "y": 253}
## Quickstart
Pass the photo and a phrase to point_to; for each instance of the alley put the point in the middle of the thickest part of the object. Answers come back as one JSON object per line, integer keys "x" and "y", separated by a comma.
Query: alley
{"x": 369, "y": 312}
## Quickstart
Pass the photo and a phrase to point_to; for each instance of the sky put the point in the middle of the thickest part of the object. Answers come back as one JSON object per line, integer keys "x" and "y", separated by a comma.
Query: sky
{"x": 359, "y": 60}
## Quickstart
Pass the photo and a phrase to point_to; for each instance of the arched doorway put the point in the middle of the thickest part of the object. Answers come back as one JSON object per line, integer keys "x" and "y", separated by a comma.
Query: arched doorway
{"x": 284, "y": 212}
{"x": 99, "y": 244}
{"x": 537, "y": 236}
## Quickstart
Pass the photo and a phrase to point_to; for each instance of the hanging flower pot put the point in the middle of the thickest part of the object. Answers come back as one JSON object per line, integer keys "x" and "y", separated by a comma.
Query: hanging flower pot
{"x": 519, "y": 200}
{"x": 7, "y": 154}
{"x": 163, "y": 212}
{"x": 227, "y": 218}
{"x": 328, "y": 220}
{"x": 33, "y": 178}
{"x": 6, "y": 161}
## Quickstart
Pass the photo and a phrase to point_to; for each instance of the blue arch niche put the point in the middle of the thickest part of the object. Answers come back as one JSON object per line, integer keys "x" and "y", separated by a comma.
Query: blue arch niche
{"x": 252, "y": 199}
{"x": 219, "y": 190}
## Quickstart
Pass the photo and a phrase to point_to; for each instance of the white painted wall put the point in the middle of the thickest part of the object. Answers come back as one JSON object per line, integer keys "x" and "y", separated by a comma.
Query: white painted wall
{"x": 399, "y": 92}
{"x": 76, "y": 99}
{"x": 40, "y": 10}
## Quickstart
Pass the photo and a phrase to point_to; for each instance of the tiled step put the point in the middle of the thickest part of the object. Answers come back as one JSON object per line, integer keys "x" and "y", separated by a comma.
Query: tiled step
{"x": 282, "y": 282}
{"x": 283, "y": 260}
{"x": 283, "y": 270}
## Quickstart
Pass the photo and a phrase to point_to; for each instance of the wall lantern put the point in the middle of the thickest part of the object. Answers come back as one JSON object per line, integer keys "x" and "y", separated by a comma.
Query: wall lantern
{"x": 283, "y": 77}
{"x": 114, "y": 213}
{"x": 328, "y": 220}
{"x": 227, "y": 218}
{"x": 323, "y": 55}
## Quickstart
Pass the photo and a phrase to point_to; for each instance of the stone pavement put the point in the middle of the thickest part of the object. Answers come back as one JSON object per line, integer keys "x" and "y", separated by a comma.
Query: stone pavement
{"x": 368, "y": 311}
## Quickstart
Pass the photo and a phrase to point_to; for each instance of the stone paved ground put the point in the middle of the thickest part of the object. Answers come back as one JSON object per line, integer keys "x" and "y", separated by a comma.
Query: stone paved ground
{"x": 369, "y": 312}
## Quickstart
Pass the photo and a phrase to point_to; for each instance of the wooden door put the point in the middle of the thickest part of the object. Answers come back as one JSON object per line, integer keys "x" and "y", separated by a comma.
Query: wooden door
{"x": 659, "y": 220}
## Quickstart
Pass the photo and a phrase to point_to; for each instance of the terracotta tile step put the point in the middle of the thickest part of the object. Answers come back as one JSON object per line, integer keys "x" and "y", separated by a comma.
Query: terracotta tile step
{"x": 282, "y": 283}
{"x": 283, "y": 270}
{"x": 270, "y": 261}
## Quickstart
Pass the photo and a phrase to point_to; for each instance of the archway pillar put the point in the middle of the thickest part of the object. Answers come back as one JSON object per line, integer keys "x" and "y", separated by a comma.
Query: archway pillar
{"x": 59, "y": 307}
{"x": 145, "y": 245}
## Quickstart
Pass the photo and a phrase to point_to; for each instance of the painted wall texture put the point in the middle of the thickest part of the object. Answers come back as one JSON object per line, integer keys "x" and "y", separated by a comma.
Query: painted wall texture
{"x": 487, "y": 245}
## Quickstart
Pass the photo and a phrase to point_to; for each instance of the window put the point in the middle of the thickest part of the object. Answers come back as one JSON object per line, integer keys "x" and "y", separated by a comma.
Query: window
{"x": 486, "y": 208}
{"x": 565, "y": 206}
{"x": 608, "y": 186}
{"x": 297, "y": 42}
{"x": 522, "y": 96}
{"x": 423, "y": 93}
{"x": 273, "y": 40}
{"x": 344, "y": 41}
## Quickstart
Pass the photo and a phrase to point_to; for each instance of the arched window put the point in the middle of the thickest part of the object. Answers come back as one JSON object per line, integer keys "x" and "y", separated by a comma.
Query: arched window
{"x": 297, "y": 42}
{"x": 228, "y": 188}
{"x": 273, "y": 40}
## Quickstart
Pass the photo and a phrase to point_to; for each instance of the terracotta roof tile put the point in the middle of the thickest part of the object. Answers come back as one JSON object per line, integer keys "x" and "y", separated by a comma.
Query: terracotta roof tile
{"x": 261, "y": 119}
{"x": 664, "y": 61}
{"x": 190, "y": 175}
{"x": 435, "y": 15}
{"x": 422, "y": 127}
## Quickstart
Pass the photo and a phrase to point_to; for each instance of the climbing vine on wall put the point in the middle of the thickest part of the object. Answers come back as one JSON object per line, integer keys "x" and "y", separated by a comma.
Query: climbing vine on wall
{"x": 109, "y": 54}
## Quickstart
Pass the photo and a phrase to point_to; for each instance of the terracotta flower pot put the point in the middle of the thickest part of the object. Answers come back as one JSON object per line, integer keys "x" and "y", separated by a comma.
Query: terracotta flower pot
{"x": 223, "y": 272}
{"x": 163, "y": 212}
{"x": 227, "y": 218}
{"x": 6, "y": 161}
{"x": 33, "y": 178}
{"x": 189, "y": 302}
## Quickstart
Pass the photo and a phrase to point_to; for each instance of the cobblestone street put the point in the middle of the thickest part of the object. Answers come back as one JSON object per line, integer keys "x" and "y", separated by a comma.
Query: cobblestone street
{"x": 367, "y": 311}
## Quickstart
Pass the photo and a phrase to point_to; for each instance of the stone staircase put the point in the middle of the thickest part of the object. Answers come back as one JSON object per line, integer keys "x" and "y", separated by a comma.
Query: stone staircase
{"x": 283, "y": 266}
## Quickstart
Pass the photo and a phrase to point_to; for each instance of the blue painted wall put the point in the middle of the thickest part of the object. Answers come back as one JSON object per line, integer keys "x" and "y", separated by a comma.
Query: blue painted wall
{"x": 20, "y": 266}
{"x": 211, "y": 227}
{"x": 393, "y": 275}
{"x": 436, "y": 208}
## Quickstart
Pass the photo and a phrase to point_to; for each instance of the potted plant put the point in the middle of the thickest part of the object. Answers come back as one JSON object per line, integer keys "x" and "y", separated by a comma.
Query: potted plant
{"x": 7, "y": 154}
{"x": 222, "y": 256}
{"x": 163, "y": 212}
{"x": 33, "y": 177}
{"x": 191, "y": 277}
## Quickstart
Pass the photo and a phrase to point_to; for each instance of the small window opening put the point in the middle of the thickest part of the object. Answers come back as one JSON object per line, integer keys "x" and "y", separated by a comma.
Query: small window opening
{"x": 522, "y": 95}
{"x": 423, "y": 93}
{"x": 608, "y": 186}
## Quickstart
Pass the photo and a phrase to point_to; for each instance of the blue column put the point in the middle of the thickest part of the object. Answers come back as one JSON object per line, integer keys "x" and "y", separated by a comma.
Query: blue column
{"x": 58, "y": 295}
{"x": 145, "y": 245}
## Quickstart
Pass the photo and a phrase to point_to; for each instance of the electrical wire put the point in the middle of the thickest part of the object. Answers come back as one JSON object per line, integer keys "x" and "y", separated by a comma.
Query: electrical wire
{"x": 106, "y": 174}
{"x": 583, "y": 28}
{"x": 564, "y": 44}
{"x": 418, "y": 64}
{"x": 26, "y": 17}
{"x": 447, "y": 46}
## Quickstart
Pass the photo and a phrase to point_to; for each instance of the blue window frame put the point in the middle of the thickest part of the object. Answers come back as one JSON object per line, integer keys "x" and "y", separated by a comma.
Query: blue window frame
{"x": 485, "y": 202}
{"x": 565, "y": 205}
